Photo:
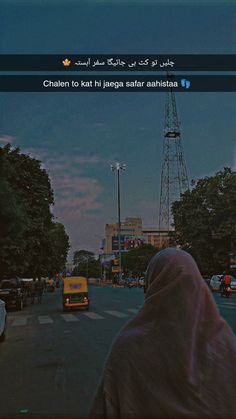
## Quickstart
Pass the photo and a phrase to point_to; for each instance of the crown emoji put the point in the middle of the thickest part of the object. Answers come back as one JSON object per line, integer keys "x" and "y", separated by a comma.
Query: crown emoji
{"x": 66, "y": 62}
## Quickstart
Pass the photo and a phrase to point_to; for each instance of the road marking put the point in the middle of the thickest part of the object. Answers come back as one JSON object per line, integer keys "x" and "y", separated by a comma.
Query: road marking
{"x": 45, "y": 319}
{"x": 69, "y": 317}
{"x": 93, "y": 316}
{"x": 20, "y": 321}
{"x": 133, "y": 310}
{"x": 116, "y": 313}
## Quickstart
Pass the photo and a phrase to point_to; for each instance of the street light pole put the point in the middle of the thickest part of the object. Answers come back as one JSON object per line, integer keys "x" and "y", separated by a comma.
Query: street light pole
{"x": 117, "y": 167}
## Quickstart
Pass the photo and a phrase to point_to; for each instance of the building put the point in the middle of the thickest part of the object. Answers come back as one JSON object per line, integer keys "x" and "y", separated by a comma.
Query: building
{"x": 155, "y": 237}
{"x": 130, "y": 229}
{"x": 133, "y": 235}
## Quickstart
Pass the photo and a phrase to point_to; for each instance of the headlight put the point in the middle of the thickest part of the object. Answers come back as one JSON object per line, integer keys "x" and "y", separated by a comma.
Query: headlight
{"x": 67, "y": 300}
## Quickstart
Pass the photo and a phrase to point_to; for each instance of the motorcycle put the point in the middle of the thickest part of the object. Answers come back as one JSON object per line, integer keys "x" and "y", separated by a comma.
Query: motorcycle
{"x": 225, "y": 291}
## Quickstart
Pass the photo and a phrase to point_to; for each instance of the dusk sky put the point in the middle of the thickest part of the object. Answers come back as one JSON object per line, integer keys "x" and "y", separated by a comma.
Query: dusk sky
{"x": 78, "y": 135}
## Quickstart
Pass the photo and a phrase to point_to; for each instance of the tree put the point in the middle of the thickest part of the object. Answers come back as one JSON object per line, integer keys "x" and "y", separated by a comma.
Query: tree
{"x": 205, "y": 220}
{"x": 59, "y": 247}
{"x": 25, "y": 206}
{"x": 86, "y": 264}
{"x": 137, "y": 260}
{"x": 12, "y": 219}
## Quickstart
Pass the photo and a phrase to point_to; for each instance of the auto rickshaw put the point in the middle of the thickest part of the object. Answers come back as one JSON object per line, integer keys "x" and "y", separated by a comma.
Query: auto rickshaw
{"x": 75, "y": 292}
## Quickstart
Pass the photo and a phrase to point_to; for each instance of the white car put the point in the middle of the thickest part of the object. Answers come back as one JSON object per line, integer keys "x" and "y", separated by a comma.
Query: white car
{"x": 233, "y": 284}
{"x": 3, "y": 321}
{"x": 215, "y": 282}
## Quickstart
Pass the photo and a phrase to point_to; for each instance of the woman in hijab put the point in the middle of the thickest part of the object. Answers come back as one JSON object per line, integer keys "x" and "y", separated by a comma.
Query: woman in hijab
{"x": 177, "y": 357}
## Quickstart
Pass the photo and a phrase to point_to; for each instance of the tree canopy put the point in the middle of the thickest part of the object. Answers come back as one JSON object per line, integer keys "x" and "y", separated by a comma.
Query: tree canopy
{"x": 136, "y": 260}
{"x": 86, "y": 264}
{"x": 205, "y": 221}
{"x": 31, "y": 244}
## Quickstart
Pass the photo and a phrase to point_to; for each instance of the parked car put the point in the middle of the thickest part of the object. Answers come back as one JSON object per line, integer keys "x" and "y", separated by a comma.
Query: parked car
{"x": 215, "y": 282}
{"x": 3, "y": 321}
{"x": 12, "y": 293}
{"x": 207, "y": 280}
{"x": 233, "y": 284}
{"x": 131, "y": 282}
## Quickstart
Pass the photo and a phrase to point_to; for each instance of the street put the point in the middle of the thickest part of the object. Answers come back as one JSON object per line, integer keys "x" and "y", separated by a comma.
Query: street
{"x": 51, "y": 361}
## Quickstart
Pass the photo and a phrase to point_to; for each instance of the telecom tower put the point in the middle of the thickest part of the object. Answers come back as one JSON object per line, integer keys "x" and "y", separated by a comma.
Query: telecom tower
{"x": 174, "y": 178}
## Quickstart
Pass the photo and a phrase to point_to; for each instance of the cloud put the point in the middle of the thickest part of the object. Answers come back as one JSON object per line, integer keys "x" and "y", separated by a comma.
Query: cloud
{"x": 37, "y": 153}
{"x": 100, "y": 125}
{"x": 62, "y": 163}
{"x": 75, "y": 197}
{"x": 5, "y": 139}
{"x": 150, "y": 211}
{"x": 76, "y": 194}
{"x": 234, "y": 160}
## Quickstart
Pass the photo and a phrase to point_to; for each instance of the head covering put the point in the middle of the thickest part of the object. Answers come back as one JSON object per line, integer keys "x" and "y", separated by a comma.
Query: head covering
{"x": 177, "y": 357}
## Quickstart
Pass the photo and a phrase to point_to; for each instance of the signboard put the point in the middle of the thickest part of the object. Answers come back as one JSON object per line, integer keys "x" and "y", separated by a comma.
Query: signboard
{"x": 75, "y": 286}
{"x": 133, "y": 242}
{"x": 127, "y": 242}
{"x": 115, "y": 242}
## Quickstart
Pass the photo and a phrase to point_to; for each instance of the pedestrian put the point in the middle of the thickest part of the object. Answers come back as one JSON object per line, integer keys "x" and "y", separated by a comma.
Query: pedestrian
{"x": 115, "y": 279}
{"x": 32, "y": 291}
{"x": 225, "y": 281}
{"x": 177, "y": 357}
{"x": 44, "y": 286}
{"x": 39, "y": 290}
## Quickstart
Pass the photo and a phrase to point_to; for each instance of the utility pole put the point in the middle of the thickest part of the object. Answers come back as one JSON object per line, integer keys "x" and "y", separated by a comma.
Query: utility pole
{"x": 87, "y": 259}
{"x": 118, "y": 167}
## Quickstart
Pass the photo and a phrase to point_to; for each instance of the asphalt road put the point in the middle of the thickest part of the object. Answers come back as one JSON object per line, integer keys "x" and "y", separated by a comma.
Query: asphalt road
{"x": 51, "y": 361}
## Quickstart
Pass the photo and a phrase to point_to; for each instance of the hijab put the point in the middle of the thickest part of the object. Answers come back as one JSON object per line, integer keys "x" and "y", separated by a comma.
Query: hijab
{"x": 177, "y": 357}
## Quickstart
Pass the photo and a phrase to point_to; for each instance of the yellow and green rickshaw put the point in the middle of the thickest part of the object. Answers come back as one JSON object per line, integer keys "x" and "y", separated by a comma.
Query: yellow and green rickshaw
{"x": 75, "y": 292}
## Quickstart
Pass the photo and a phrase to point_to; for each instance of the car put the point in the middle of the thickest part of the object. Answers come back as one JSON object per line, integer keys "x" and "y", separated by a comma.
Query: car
{"x": 141, "y": 282}
{"x": 12, "y": 293}
{"x": 131, "y": 282}
{"x": 215, "y": 282}
{"x": 206, "y": 279}
{"x": 3, "y": 321}
{"x": 233, "y": 284}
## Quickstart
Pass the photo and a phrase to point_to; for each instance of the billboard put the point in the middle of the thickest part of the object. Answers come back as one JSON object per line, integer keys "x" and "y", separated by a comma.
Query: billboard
{"x": 127, "y": 242}
{"x": 133, "y": 242}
